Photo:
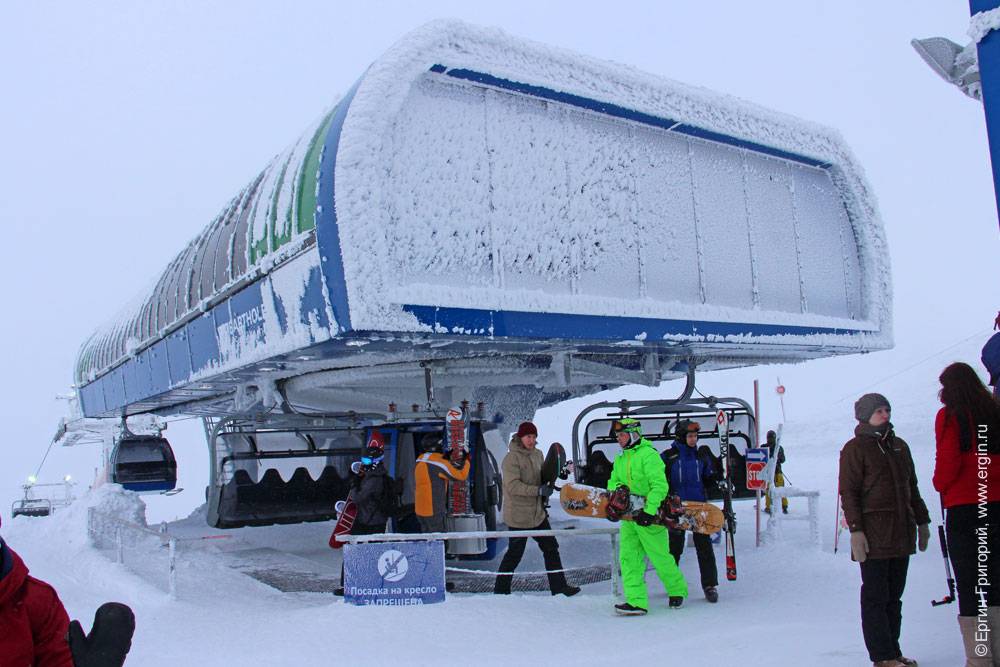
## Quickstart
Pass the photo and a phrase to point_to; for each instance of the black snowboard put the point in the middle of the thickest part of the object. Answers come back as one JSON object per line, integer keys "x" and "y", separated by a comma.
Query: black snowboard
{"x": 555, "y": 461}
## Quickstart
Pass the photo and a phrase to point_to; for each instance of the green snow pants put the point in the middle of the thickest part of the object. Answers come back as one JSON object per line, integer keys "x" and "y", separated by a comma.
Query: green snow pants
{"x": 637, "y": 543}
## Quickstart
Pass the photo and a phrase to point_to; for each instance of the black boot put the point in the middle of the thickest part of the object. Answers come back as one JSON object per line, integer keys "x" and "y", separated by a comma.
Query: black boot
{"x": 625, "y": 609}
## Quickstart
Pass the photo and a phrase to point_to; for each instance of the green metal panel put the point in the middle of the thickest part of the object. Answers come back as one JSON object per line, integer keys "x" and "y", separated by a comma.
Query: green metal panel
{"x": 309, "y": 177}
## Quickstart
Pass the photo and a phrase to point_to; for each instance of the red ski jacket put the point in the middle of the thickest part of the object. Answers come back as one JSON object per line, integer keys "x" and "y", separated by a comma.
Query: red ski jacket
{"x": 33, "y": 622}
{"x": 956, "y": 473}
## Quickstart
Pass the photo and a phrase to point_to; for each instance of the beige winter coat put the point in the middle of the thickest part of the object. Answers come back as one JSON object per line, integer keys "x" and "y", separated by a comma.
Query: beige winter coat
{"x": 522, "y": 475}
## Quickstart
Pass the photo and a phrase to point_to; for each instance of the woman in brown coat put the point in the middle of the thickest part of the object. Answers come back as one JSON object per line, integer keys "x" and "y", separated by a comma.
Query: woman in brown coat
{"x": 887, "y": 518}
{"x": 524, "y": 509}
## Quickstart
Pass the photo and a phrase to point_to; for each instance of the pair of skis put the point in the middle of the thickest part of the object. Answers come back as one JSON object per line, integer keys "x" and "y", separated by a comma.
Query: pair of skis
{"x": 722, "y": 419}
{"x": 457, "y": 443}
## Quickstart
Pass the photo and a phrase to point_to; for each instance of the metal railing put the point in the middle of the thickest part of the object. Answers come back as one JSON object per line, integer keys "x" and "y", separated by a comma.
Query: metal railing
{"x": 125, "y": 534}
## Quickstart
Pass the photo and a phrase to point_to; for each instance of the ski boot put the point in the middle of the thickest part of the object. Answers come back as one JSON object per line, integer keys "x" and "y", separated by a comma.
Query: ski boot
{"x": 676, "y": 601}
{"x": 625, "y": 609}
{"x": 712, "y": 594}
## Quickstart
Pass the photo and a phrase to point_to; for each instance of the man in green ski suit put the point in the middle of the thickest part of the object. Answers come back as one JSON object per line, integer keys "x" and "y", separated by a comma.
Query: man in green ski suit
{"x": 640, "y": 468}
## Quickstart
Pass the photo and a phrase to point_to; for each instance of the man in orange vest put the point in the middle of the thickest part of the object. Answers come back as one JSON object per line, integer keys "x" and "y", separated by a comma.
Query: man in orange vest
{"x": 432, "y": 475}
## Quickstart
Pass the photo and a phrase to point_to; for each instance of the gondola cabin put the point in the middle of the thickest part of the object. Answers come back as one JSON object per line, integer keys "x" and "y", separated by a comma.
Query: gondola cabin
{"x": 144, "y": 464}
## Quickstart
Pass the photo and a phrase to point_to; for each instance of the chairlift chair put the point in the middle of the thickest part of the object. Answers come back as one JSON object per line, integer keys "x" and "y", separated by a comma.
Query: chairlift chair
{"x": 33, "y": 507}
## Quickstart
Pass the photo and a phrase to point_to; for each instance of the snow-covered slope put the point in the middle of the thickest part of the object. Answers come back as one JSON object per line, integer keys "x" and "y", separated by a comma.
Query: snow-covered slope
{"x": 792, "y": 604}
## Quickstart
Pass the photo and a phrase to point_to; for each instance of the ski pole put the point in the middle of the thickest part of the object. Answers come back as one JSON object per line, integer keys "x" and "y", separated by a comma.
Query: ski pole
{"x": 947, "y": 599}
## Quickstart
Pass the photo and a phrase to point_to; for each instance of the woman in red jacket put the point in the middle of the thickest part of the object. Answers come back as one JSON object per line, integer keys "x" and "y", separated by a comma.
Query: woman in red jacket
{"x": 33, "y": 620}
{"x": 967, "y": 474}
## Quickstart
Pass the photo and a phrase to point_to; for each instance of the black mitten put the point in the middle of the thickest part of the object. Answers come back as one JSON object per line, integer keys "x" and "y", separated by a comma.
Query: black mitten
{"x": 110, "y": 637}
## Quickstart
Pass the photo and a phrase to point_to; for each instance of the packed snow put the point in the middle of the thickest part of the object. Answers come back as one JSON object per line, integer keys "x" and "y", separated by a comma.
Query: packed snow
{"x": 793, "y": 603}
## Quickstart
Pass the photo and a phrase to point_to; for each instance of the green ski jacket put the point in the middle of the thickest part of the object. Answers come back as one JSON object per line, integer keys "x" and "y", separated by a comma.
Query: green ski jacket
{"x": 641, "y": 469}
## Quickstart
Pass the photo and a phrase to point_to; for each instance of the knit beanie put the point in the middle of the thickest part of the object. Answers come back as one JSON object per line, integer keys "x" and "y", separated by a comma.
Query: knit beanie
{"x": 526, "y": 428}
{"x": 867, "y": 405}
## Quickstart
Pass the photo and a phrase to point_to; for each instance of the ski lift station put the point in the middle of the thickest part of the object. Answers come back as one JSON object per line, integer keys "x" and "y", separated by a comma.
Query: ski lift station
{"x": 489, "y": 219}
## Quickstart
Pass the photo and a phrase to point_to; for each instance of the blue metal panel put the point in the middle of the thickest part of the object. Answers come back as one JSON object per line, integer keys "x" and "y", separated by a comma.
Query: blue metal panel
{"x": 622, "y": 112}
{"x": 159, "y": 371}
{"x": 202, "y": 341}
{"x": 314, "y": 300}
{"x": 113, "y": 385}
{"x": 989, "y": 72}
{"x": 91, "y": 399}
{"x": 327, "y": 232}
{"x": 593, "y": 327}
{"x": 178, "y": 357}
{"x": 246, "y": 322}
{"x": 136, "y": 377}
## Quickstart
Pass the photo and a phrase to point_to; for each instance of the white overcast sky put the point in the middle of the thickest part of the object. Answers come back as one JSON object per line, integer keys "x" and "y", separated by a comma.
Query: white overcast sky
{"x": 126, "y": 126}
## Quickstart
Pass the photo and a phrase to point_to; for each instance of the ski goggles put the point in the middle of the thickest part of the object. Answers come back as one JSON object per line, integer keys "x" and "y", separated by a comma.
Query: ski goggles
{"x": 371, "y": 460}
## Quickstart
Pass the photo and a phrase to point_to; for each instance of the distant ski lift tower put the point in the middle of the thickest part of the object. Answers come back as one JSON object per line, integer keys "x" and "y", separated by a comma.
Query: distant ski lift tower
{"x": 974, "y": 69}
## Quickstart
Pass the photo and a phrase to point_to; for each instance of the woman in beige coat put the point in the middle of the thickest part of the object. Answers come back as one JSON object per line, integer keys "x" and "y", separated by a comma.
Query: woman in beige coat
{"x": 524, "y": 509}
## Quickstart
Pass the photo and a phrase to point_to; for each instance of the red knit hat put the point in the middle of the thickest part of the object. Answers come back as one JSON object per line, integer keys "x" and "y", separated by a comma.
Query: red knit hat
{"x": 527, "y": 428}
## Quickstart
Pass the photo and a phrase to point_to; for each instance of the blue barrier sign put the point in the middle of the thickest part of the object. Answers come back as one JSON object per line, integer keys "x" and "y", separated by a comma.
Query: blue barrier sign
{"x": 394, "y": 573}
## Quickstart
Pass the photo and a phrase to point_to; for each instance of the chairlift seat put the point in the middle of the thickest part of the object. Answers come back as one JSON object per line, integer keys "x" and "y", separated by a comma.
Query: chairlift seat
{"x": 32, "y": 507}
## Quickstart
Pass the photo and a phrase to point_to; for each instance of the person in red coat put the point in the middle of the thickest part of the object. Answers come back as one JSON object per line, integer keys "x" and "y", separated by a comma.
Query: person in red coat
{"x": 33, "y": 620}
{"x": 967, "y": 474}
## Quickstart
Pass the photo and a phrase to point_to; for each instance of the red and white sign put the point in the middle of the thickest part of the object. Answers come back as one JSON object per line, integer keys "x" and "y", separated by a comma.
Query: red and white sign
{"x": 756, "y": 464}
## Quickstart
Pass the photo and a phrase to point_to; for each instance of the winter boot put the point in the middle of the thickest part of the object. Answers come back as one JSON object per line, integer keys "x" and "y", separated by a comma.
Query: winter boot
{"x": 712, "y": 594}
{"x": 625, "y": 609}
{"x": 676, "y": 601}
{"x": 967, "y": 624}
{"x": 568, "y": 590}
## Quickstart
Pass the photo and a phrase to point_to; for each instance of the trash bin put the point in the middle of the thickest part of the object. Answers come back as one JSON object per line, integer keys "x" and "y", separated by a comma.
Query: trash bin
{"x": 463, "y": 523}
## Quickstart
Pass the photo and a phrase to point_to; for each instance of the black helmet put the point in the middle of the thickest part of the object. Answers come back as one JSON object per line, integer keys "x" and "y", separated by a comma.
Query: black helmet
{"x": 431, "y": 442}
{"x": 684, "y": 427}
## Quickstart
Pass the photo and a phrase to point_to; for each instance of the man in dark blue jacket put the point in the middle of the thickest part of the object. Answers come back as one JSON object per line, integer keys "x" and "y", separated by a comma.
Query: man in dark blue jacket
{"x": 688, "y": 471}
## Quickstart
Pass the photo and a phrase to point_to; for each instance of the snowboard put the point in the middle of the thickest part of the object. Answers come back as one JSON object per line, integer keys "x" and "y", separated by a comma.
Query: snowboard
{"x": 555, "y": 462}
{"x": 590, "y": 501}
{"x": 347, "y": 511}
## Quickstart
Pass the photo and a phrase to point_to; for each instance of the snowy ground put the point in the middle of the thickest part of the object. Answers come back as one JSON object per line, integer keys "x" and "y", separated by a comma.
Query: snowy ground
{"x": 793, "y": 604}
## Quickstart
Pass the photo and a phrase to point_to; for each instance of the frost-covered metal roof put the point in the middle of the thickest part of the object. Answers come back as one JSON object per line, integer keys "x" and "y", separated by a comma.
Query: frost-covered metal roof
{"x": 476, "y": 187}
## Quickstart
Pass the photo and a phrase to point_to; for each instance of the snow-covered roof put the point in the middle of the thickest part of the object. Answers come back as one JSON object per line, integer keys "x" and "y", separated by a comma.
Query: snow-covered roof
{"x": 474, "y": 184}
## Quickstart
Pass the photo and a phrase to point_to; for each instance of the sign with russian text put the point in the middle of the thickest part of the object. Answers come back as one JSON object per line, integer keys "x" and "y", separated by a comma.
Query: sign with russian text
{"x": 394, "y": 573}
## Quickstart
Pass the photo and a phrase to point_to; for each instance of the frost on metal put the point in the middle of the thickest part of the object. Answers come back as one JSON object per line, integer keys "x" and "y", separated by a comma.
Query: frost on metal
{"x": 483, "y": 196}
{"x": 469, "y": 171}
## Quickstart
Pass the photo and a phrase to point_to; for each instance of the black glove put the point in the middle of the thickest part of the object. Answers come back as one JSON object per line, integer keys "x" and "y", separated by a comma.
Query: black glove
{"x": 110, "y": 637}
{"x": 643, "y": 518}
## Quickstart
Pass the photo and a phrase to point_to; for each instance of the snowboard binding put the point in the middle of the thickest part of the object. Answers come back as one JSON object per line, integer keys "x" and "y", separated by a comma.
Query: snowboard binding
{"x": 619, "y": 503}
{"x": 671, "y": 513}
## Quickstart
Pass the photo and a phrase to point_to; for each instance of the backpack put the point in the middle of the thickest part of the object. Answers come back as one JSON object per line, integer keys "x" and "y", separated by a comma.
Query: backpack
{"x": 389, "y": 503}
